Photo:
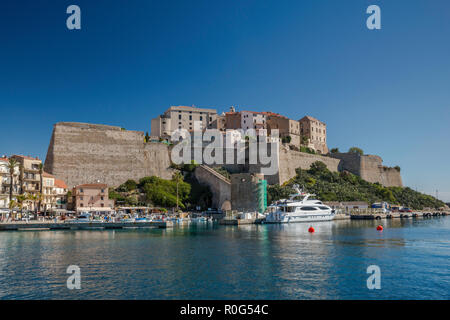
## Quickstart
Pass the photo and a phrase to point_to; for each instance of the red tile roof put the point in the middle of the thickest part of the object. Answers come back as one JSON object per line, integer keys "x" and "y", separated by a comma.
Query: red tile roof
{"x": 25, "y": 157}
{"x": 60, "y": 184}
{"x": 47, "y": 175}
{"x": 311, "y": 119}
{"x": 92, "y": 185}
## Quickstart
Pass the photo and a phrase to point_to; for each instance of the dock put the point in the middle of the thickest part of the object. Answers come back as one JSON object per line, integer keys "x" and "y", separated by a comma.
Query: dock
{"x": 394, "y": 215}
{"x": 38, "y": 225}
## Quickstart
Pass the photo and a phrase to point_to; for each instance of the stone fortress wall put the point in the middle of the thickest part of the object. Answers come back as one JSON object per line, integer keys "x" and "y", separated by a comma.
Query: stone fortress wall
{"x": 369, "y": 168}
{"x": 86, "y": 153}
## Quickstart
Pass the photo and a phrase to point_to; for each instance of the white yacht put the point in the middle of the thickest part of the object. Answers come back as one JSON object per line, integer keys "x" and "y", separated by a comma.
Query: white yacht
{"x": 304, "y": 210}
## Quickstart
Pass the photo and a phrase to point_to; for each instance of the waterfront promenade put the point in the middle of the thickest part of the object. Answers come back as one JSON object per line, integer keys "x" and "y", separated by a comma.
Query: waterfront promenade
{"x": 51, "y": 225}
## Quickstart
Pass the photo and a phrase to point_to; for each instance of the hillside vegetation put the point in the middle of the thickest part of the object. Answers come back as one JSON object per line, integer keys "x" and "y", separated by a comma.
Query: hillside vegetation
{"x": 344, "y": 186}
{"x": 157, "y": 192}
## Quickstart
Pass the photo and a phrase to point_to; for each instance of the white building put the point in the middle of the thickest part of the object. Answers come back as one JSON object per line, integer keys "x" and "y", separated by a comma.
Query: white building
{"x": 5, "y": 182}
{"x": 54, "y": 193}
{"x": 253, "y": 120}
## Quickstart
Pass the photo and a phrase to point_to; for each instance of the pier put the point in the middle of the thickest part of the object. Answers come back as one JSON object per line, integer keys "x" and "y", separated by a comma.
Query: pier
{"x": 372, "y": 215}
{"x": 38, "y": 225}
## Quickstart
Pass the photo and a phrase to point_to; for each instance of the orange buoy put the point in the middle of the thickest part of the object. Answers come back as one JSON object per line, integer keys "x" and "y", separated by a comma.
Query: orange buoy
{"x": 380, "y": 228}
{"x": 311, "y": 230}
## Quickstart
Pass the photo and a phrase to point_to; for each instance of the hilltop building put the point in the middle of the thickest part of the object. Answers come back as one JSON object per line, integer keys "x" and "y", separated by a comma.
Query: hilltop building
{"x": 285, "y": 126}
{"x": 182, "y": 117}
{"x": 316, "y": 132}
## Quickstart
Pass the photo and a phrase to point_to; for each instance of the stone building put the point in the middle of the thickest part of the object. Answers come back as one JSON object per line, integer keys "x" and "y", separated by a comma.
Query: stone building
{"x": 232, "y": 119}
{"x": 182, "y": 117}
{"x": 219, "y": 123}
{"x": 245, "y": 120}
{"x": 92, "y": 197}
{"x": 316, "y": 133}
{"x": 286, "y": 127}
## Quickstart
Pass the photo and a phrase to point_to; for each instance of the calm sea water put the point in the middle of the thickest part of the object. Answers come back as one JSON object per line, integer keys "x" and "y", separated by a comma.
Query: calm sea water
{"x": 218, "y": 262}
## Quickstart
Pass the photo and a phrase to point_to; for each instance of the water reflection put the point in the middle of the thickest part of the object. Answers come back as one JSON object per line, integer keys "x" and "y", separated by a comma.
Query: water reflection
{"x": 235, "y": 262}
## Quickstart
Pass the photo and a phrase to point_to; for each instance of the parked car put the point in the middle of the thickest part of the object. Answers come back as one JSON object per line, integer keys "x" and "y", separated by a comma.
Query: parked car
{"x": 405, "y": 210}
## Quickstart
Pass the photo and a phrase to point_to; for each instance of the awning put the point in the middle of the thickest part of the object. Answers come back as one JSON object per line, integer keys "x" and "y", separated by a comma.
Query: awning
{"x": 90, "y": 209}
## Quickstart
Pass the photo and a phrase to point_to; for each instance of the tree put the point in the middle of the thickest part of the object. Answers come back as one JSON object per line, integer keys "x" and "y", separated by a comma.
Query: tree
{"x": 177, "y": 177}
{"x": 304, "y": 140}
{"x": 21, "y": 198}
{"x": 334, "y": 150}
{"x": 35, "y": 198}
{"x": 356, "y": 150}
{"x": 12, "y": 164}
{"x": 317, "y": 167}
{"x": 41, "y": 172}
{"x": 147, "y": 137}
{"x": 286, "y": 139}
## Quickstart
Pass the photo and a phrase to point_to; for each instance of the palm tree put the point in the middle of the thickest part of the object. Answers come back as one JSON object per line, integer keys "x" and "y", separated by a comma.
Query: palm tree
{"x": 35, "y": 198}
{"x": 177, "y": 177}
{"x": 21, "y": 198}
{"x": 12, "y": 164}
{"x": 41, "y": 171}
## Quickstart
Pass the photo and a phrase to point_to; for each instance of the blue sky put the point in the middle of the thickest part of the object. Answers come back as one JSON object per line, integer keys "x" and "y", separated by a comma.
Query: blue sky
{"x": 386, "y": 91}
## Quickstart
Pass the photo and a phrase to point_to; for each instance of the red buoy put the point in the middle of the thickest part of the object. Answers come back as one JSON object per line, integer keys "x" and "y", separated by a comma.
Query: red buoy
{"x": 380, "y": 228}
{"x": 311, "y": 230}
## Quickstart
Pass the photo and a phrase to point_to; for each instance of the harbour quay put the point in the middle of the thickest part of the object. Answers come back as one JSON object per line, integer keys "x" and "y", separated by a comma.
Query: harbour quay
{"x": 32, "y": 225}
{"x": 373, "y": 215}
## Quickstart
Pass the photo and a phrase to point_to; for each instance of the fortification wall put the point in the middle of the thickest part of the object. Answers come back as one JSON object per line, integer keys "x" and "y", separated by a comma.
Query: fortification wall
{"x": 291, "y": 160}
{"x": 220, "y": 186}
{"x": 372, "y": 170}
{"x": 369, "y": 168}
{"x": 84, "y": 153}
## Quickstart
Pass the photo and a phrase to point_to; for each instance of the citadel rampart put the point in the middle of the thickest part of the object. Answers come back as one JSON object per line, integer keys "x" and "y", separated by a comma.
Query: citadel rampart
{"x": 84, "y": 153}
{"x": 369, "y": 168}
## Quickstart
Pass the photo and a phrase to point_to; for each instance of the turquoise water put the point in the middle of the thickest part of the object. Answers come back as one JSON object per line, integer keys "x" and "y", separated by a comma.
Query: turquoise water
{"x": 218, "y": 262}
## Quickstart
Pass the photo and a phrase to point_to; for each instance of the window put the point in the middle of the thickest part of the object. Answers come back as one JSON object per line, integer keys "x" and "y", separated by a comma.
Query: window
{"x": 309, "y": 208}
{"x": 102, "y": 198}
{"x": 102, "y": 205}
{"x": 210, "y": 118}
{"x": 81, "y": 205}
{"x": 103, "y": 190}
{"x": 81, "y": 198}
{"x": 179, "y": 116}
{"x": 81, "y": 190}
{"x": 201, "y": 118}
{"x": 190, "y": 117}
